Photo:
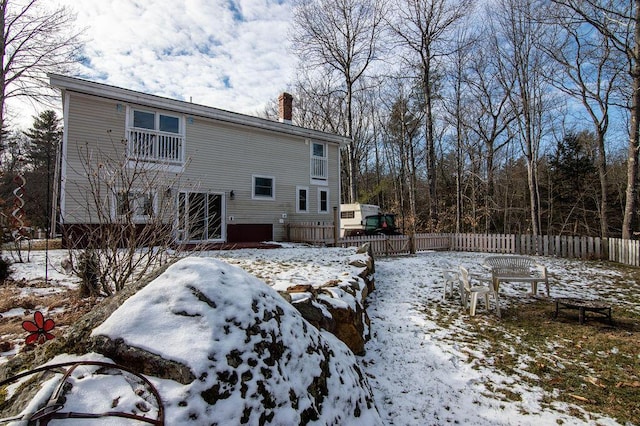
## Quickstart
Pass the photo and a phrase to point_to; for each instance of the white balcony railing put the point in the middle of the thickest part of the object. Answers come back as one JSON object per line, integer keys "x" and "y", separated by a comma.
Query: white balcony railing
{"x": 157, "y": 147}
{"x": 319, "y": 168}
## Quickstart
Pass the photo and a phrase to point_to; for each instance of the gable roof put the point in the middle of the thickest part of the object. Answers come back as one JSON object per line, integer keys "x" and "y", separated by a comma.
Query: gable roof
{"x": 78, "y": 85}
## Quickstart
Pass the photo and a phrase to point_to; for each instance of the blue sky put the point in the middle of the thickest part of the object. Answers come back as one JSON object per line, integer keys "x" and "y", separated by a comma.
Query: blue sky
{"x": 230, "y": 54}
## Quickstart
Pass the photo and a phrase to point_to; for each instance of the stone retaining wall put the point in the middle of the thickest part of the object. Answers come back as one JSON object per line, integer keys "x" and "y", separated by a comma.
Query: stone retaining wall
{"x": 339, "y": 306}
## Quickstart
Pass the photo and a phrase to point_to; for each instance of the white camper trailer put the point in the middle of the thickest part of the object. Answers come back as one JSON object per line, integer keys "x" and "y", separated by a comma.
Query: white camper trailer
{"x": 352, "y": 217}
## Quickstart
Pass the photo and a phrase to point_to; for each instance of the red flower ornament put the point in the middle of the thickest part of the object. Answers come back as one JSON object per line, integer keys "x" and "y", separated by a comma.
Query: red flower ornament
{"x": 39, "y": 329}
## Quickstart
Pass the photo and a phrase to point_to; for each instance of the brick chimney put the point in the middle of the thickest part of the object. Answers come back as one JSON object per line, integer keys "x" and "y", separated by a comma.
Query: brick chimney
{"x": 285, "y": 107}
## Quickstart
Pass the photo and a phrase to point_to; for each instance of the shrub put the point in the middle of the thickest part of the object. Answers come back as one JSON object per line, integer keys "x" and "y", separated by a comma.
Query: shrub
{"x": 5, "y": 269}
{"x": 89, "y": 272}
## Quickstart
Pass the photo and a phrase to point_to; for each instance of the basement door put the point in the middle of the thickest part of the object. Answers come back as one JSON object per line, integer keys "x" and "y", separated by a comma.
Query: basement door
{"x": 200, "y": 217}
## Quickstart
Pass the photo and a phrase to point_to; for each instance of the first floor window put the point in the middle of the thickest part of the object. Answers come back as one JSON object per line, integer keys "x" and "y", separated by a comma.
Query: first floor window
{"x": 302, "y": 205}
{"x": 323, "y": 201}
{"x": 263, "y": 187}
{"x": 138, "y": 205}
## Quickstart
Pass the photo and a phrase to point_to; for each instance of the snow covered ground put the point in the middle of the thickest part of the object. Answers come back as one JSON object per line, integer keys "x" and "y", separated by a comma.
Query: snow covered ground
{"x": 421, "y": 373}
{"x": 420, "y": 370}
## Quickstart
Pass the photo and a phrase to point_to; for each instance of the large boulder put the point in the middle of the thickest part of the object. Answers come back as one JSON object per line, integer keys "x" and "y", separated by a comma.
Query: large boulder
{"x": 235, "y": 351}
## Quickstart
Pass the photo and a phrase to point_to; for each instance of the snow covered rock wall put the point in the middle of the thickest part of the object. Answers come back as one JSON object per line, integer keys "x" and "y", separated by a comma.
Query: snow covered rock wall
{"x": 241, "y": 354}
{"x": 338, "y": 306}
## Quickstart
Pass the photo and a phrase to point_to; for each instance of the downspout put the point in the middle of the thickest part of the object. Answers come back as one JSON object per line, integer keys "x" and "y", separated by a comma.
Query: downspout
{"x": 61, "y": 169}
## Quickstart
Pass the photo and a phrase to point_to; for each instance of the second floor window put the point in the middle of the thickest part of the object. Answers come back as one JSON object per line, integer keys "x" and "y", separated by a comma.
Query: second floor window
{"x": 155, "y": 137}
{"x": 319, "y": 161}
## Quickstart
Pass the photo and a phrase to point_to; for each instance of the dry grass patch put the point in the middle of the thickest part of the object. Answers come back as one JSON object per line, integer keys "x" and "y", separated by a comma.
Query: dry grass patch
{"x": 64, "y": 306}
{"x": 595, "y": 366}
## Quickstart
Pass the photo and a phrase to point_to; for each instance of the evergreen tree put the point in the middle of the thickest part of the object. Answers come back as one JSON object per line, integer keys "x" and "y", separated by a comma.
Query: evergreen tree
{"x": 575, "y": 185}
{"x": 44, "y": 139}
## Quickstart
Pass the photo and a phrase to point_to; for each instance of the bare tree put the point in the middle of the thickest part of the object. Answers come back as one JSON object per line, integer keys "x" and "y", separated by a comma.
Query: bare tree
{"x": 491, "y": 113}
{"x": 522, "y": 68}
{"x": 131, "y": 209}
{"x": 590, "y": 72}
{"x": 35, "y": 40}
{"x": 403, "y": 132}
{"x": 318, "y": 103}
{"x": 339, "y": 36}
{"x": 619, "y": 22}
{"x": 423, "y": 28}
{"x": 457, "y": 106}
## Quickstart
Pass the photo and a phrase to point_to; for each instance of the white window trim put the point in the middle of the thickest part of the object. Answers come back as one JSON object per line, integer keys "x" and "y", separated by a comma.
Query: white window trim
{"x": 143, "y": 165}
{"x": 180, "y": 233}
{"x": 298, "y": 189}
{"x": 135, "y": 218}
{"x": 146, "y": 164}
{"x": 263, "y": 197}
{"x": 320, "y": 190}
{"x": 315, "y": 180}
{"x": 156, "y": 119}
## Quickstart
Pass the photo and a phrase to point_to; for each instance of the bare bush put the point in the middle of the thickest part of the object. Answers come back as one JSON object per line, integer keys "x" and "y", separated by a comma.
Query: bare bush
{"x": 123, "y": 227}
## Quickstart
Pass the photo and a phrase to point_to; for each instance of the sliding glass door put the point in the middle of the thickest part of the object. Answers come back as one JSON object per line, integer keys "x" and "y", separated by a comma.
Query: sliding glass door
{"x": 200, "y": 216}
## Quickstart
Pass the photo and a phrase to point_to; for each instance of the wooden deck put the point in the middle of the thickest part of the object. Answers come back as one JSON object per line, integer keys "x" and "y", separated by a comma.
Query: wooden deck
{"x": 229, "y": 246}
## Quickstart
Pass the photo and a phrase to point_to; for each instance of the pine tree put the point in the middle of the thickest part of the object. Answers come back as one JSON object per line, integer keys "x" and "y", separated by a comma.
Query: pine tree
{"x": 44, "y": 139}
{"x": 574, "y": 179}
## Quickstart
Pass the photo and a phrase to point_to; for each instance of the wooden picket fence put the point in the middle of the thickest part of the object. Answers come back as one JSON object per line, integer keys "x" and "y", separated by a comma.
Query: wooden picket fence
{"x": 381, "y": 245}
{"x": 542, "y": 245}
{"x": 321, "y": 232}
{"x": 624, "y": 251}
{"x": 580, "y": 247}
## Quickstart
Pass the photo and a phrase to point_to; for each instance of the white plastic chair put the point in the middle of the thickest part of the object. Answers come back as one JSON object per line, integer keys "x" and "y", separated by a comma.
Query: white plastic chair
{"x": 451, "y": 278}
{"x": 472, "y": 292}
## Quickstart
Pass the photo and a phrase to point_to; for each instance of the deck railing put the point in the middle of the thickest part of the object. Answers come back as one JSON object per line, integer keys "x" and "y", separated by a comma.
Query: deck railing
{"x": 613, "y": 249}
{"x": 160, "y": 147}
{"x": 319, "y": 167}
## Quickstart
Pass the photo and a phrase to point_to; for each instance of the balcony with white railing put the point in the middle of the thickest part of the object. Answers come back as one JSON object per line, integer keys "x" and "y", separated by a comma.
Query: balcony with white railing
{"x": 319, "y": 167}
{"x": 155, "y": 147}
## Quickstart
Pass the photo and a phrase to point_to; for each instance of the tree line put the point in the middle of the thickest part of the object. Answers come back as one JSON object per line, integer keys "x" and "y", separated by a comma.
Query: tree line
{"x": 463, "y": 116}
{"x": 503, "y": 116}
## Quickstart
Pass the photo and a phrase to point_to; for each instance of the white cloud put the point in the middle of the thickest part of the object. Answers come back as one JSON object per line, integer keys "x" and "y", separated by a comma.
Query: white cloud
{"x": 229, "y": 54}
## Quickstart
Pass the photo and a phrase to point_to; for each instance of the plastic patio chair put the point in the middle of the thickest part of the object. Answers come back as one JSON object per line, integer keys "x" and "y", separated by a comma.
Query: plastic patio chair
{"x": 451, "y": 276}
{"x": 472, "y": 292}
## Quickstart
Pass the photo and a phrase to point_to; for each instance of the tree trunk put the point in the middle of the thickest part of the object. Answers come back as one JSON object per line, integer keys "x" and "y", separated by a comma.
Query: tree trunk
{"x": 3, "y": 44}
{"x": 353, "y": 193}
{"x": 602, "y": 174}
{"x": 430, "y": 145}
{"x": 490, "y": 189}
{"x": 634, "y": 128}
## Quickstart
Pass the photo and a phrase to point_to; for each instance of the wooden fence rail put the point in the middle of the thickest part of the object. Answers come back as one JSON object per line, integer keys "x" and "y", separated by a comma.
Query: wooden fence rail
{"x": 613, "y": 249}
{"x": 311, "y": 232}
{"x": 381, "y": 245}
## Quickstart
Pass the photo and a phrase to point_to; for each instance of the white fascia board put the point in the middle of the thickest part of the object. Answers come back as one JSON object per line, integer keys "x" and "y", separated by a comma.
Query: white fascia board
{"x": 130, "y": 96}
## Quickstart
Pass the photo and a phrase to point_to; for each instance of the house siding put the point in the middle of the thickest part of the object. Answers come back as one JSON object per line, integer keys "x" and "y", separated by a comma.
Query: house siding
{"x": 220, "y": 158}
{"x": 93, "y": 134}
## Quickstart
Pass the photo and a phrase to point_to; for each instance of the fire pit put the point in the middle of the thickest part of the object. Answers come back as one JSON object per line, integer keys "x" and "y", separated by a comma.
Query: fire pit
{"x": 583, "y": 306}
